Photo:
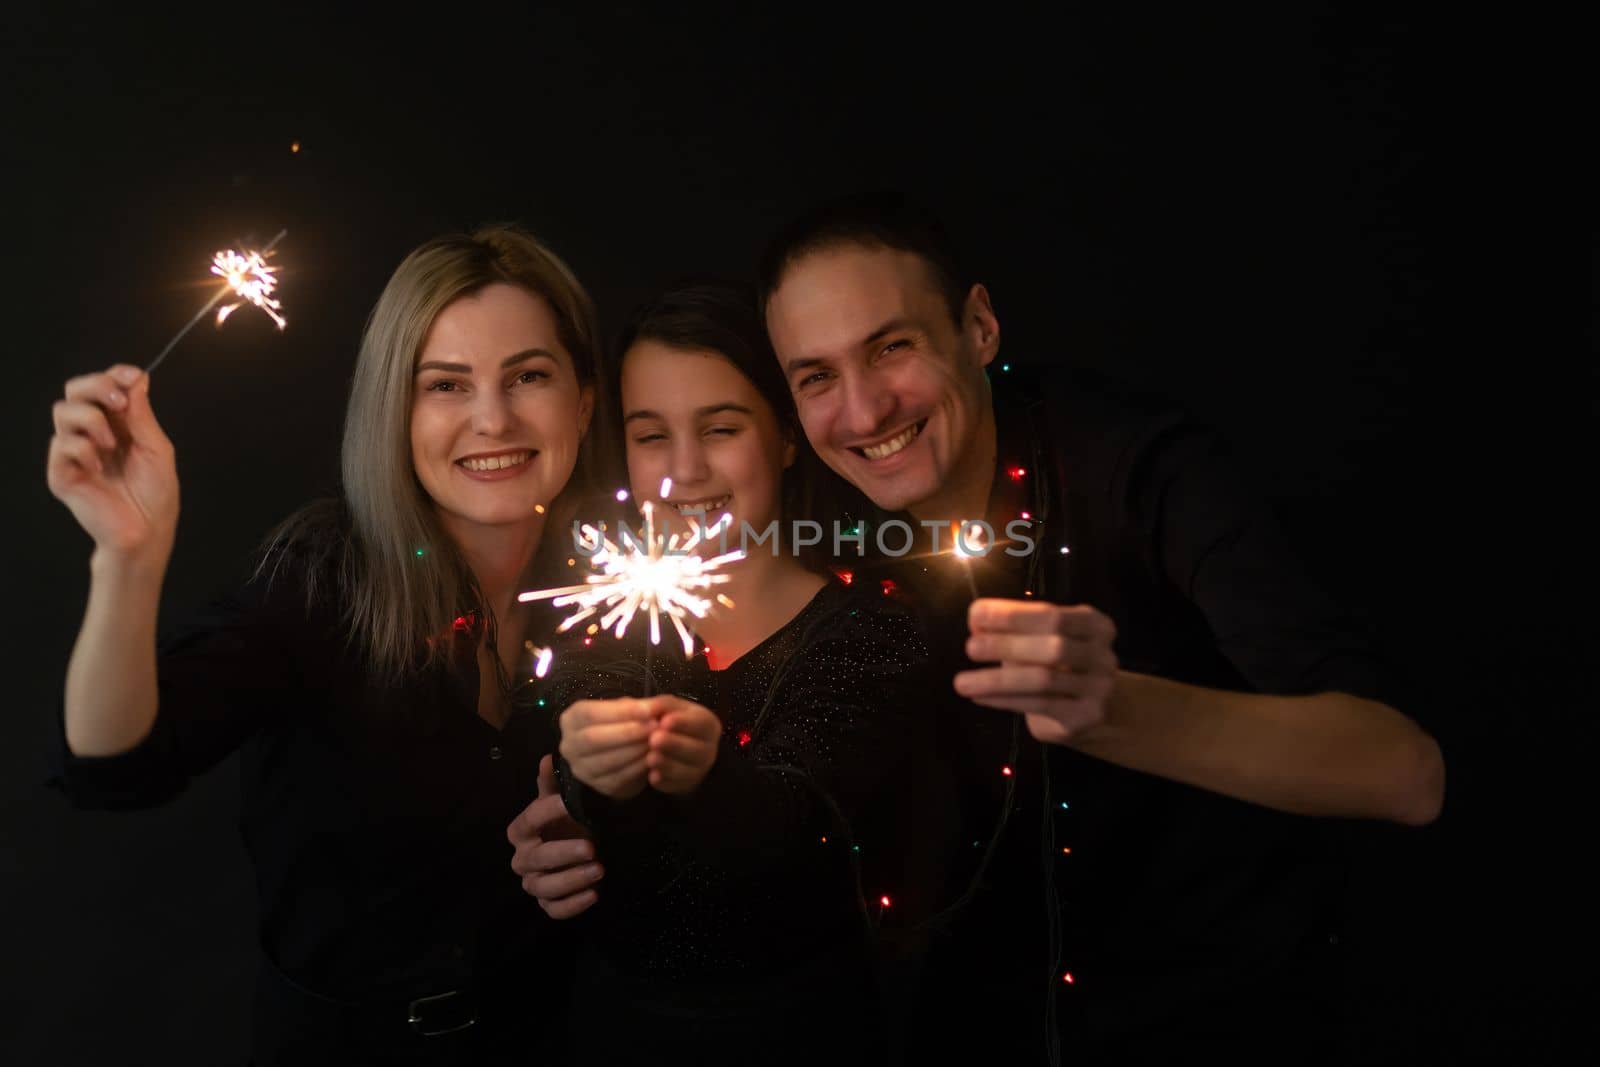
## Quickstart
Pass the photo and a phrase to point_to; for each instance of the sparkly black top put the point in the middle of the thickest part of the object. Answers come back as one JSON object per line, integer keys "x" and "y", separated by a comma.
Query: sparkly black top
{"x": 756, "y": 896}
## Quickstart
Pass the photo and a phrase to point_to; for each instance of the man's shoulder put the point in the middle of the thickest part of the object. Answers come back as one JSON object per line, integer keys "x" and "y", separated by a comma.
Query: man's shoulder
{"x": 1094, "y": 404}
{"x": 1093, "y": 426}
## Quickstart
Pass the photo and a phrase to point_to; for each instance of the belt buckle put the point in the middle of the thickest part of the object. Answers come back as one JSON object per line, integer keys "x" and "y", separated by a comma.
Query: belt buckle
{"x": 458, "y": 1007}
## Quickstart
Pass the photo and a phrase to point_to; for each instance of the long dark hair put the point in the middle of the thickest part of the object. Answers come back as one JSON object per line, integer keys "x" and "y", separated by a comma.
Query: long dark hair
{"x": 724, "y": 317}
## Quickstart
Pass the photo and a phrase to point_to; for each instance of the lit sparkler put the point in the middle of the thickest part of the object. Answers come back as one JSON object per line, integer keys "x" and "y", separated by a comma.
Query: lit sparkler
{"x": 662, "y": 576}
{"x": 965, "y": 553}
{"x": 252, "y": 279}
{"x": 247, "y": 276}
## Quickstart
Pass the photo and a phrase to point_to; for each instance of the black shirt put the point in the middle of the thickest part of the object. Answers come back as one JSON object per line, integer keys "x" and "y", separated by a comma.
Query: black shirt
{"x": 737, "y": 921}
{"x": 374, "y": 816}
{"x": 1188, "y": 922}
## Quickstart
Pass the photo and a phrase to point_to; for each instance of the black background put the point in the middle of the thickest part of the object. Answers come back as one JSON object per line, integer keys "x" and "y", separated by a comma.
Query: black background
{"x": 1285, "y": 221}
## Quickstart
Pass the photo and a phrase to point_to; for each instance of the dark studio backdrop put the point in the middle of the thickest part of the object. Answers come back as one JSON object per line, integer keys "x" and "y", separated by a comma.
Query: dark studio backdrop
{"x": 1259, "y": 216}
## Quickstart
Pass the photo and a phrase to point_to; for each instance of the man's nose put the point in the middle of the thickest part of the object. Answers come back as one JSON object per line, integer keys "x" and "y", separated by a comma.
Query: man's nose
{"x": 868, "y": 404}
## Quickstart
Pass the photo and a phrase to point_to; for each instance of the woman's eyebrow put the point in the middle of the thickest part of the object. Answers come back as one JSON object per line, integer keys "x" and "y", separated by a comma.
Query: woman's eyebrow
{"x": 509, "y": 361}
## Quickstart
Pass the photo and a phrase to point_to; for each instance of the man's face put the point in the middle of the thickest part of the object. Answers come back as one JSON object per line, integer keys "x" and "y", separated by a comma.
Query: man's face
{"x": 889, "y": 388}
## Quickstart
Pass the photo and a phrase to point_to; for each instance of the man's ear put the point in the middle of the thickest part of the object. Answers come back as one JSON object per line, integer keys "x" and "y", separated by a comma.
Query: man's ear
{"x": 980, "y": 326}
{"x": 789, "y": 451}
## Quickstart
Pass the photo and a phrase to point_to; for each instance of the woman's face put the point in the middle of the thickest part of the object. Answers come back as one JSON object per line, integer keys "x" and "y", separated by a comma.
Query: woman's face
{"x": 497, "y": 410}
{"x": 692, "y": 416}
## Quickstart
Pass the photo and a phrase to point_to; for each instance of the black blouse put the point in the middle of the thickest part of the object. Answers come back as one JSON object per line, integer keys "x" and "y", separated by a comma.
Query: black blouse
{"x": 748, "y": 906}
{"x": 374, "y": 815}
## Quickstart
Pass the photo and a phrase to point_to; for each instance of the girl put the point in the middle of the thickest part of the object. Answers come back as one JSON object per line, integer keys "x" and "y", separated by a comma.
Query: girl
{"x": 743, "y": 822}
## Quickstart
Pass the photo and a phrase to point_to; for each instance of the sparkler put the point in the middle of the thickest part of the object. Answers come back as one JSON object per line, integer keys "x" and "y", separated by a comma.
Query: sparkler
{"x": 662, "y": 576}
{"x": 245, "y": 275}
{"x": 965, "y": 555}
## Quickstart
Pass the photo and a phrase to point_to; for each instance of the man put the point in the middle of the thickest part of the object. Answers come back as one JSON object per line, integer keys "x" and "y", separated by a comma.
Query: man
{"x": 1193, "y": 690}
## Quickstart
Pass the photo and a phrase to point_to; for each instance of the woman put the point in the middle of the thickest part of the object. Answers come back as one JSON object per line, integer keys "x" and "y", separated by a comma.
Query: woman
{"x": 744, "y": 821}
{"x": 364, "y": 669}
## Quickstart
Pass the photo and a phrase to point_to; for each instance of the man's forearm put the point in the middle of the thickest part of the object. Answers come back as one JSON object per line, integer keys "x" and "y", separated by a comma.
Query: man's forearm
{"x": 1328, "y": 754}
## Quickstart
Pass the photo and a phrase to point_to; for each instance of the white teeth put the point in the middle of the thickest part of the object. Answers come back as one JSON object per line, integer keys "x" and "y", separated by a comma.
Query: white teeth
{"x": 696, "y": 507}
{"x": 891, "y": 446}
{"x": 494, "y": 463}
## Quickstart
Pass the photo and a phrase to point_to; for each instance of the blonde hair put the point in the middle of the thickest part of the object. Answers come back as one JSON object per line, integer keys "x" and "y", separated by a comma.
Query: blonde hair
{"x": 401, "y": 579}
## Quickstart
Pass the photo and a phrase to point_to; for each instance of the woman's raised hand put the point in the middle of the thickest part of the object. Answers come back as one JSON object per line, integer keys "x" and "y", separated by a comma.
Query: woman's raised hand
{"x": 113, "y": 466}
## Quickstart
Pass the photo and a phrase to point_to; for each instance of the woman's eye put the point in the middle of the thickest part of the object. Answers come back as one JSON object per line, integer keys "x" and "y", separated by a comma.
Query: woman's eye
{"x": 528, "y": 377}
{"x": 722, "y": 431}
{"x": 649, "y": 438}
{"x": 443, "y": 385}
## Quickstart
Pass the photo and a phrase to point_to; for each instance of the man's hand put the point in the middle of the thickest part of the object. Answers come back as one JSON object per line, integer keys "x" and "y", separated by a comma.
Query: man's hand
{"x": 1056, "y": 665}
{"x": 605, "y": 741}
{"x": 552, "y": 853}
{"x": 683, "y": 746}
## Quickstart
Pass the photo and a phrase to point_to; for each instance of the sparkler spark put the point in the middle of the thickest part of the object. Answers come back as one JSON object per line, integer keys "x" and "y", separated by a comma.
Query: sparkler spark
{"x": 541, "y": 658}
{"x": 663, "y": 576}
{"x": 252, "y": 279}
{"x": 248, "y": 277}
{"x": 965, "y": 553}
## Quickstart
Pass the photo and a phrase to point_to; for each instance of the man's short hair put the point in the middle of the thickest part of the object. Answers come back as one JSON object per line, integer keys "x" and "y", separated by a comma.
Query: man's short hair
{"x": 880, "y": 219}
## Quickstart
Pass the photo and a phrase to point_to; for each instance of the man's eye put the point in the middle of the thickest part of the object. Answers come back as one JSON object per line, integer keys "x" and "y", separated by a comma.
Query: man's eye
{"x": 813, "y": 379}
{"x": 892, "y": 345}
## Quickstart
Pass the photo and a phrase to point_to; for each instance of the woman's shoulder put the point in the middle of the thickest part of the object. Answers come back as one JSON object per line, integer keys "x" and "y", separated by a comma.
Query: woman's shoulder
{"x": 305, "y": 561}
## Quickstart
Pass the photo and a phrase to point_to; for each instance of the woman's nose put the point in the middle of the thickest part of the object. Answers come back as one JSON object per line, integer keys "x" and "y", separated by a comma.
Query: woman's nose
{"x": 491, "y": 413}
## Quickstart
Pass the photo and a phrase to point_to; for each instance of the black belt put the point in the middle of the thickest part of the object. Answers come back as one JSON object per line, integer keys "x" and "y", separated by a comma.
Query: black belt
{"x": 291, "y": 1019}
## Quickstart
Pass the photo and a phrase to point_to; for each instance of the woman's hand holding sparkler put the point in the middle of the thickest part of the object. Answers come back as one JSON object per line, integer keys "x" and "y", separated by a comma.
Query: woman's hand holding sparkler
{"x": 683, "y": 746}
{"x": 113, "y": 466}
{"x": 605, "y": 742}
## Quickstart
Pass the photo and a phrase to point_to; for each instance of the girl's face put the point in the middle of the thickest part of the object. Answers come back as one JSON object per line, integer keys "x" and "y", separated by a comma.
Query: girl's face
{"x": 497, "y": 410}
{"x": 692, "y": 416}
